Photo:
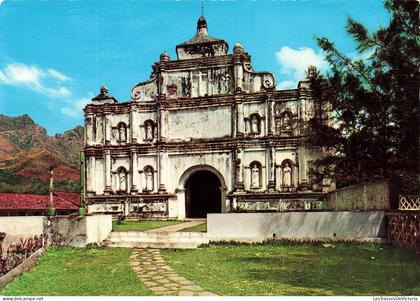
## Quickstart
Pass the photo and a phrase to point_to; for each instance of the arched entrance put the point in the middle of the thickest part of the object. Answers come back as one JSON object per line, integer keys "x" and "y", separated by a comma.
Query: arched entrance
{"x": 202, "y": 194}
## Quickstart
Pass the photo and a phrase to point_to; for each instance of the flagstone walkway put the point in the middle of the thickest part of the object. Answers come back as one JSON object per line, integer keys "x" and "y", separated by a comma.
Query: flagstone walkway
{"x": 160, "y": 278}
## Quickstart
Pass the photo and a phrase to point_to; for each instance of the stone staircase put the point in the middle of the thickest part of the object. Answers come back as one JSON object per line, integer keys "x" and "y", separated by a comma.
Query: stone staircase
{"x": 160, "y": 240}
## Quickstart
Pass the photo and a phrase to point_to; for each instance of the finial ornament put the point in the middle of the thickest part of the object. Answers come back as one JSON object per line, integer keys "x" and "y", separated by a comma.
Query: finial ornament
{"x": 104, "y": 90}
{"x": 202, "y": 8}
{"x": 164, "y": 57}
{"x": 238, "y": 49}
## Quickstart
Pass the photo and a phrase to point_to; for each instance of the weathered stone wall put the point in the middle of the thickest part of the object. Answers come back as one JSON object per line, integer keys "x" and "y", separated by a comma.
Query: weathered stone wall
{"x": 363, "y": 196}
{"x": 65, "y": 231}
{"x": 76, "y": 231}
{"x": 297, "y": 225}
{"x": 211, "y": 122}
{"x": 72, "y": 231}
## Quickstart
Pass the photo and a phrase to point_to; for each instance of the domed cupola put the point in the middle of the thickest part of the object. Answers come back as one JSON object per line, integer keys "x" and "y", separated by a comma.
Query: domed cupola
{"x": 201, "y": 45}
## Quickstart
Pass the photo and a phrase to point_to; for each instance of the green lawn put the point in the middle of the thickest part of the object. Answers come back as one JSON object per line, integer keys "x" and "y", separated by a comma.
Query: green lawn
{"x": 270, "y": 269}
{"x": 198, "y": 228}
{"x": 80, "y": 272}
{"x": 282, "y": 269}
{"x": 142, "y": 225}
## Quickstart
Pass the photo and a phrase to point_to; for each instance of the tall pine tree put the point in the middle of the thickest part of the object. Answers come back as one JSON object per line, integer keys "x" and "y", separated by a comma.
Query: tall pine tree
{"x": 373, "y": 130}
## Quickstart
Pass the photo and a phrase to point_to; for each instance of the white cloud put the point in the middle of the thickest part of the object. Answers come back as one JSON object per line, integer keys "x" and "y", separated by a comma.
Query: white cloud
{"x": 33, "y": 77}
{"x": 76, "y": 107}
{"x": 1, "y": 1}
{"x": 57, "y": 92}
{"x": 20, "y": 73}
{"x": 294, "y": 63}
{"x": 58, "y": 75}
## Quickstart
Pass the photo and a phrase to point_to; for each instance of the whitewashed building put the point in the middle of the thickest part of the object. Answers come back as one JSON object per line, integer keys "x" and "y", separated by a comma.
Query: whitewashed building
{"x": 206, "y": 133}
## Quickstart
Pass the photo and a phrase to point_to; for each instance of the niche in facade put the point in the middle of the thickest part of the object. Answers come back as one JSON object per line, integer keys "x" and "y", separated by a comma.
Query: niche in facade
{"x": 119, "y": 133}
{"x": 256, "y": 172}
{"x": 287, "y": 173}
{"x": 148, "y": 178}
{"x": 122, "y": 180}
{"x": 149, "y": 129}
{"x": 253, "y": 124}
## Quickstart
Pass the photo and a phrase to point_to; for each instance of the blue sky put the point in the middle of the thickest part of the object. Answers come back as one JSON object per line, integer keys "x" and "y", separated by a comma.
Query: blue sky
{"x": 55, "y": 55}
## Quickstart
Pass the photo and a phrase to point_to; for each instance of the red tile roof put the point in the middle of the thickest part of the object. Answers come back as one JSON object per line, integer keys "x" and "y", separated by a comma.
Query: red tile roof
{"x": 67, "y": 201}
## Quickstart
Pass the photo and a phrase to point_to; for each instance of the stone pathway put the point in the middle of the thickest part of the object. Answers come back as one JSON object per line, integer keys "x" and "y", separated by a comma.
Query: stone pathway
{"x": 177, "y": 227}
{"x": 160, "y": 278}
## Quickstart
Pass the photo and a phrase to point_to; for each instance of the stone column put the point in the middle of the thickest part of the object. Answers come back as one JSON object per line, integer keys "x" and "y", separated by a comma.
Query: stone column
{"x": 241, "y": 125}
{"x": 295, "y": 175}
{"x": 270, "y": 118}
{"x": 107, "y": 127}
{"x": 134, "y": 126}
{"x": 279, "y": 178}
{"x": 303, "y": 178}
{"x": 234, "y": 119}
{"x": 134, "y": 171}
{"x": 272, "y": 170}
{"x": 239, "y": 115}
{"x": 238, "y": 71}
{"x": 91, "y": 187}
{"x": 88, "y": 130}
{"x": 163, "y": 122}
{"x": 200, "y": 84}
{"x": 162, "y": 170}
{"x": 239, "y": 170}
{"x": 108, "y": 187}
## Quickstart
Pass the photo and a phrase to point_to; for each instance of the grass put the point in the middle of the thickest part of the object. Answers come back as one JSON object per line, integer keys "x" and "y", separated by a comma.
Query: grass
{"x": 79, "y": 272}
{"x": 284, "y": 269}
{"x": 197, "y": 228}
{"x": 142, "y": 225}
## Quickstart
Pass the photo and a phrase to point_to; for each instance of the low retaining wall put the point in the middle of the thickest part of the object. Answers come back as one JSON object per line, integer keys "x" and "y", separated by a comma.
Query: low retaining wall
{"x": 74, "y": 231}
{"x": 346, "y": 225}
{"x": 18, "y": 229}
{"x": 22, "y": 225}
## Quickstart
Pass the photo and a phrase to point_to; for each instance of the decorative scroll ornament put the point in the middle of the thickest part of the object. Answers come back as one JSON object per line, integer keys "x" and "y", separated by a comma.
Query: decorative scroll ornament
{"x": 268, "y": 81}
{"x": 136, "y": 94}
{"x": 248, "y": 67}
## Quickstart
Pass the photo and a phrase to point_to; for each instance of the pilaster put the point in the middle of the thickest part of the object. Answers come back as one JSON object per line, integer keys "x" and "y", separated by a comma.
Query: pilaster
{"x": 134, "y": 171}
{"x": 108, "y": 188}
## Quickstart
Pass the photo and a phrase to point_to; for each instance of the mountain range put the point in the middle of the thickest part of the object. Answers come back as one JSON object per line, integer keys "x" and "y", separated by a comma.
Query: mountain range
{"x": 27, "y": 154}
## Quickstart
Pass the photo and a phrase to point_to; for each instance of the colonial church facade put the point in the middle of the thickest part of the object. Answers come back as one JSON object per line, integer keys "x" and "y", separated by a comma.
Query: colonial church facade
{"x": 205, "y": 134}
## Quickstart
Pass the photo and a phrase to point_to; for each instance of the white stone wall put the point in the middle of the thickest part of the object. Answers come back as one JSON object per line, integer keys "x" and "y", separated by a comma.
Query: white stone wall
{"x": 213, "y": 122}
{"x": 181, "y": 163}
{"x": 98, "y": 228}
{"x": 347, "y": 225}
{"x": 22, "y": 225}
